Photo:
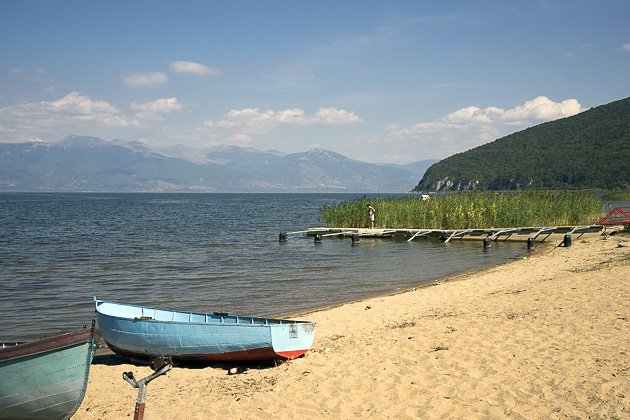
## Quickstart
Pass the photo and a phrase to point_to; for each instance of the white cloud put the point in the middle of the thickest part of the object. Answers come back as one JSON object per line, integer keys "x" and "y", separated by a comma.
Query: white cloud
{"x": 192, "y": 68}
{"x": 240, "y": 125}
{"x": 472, "y": 126}
{"x": 146, "y": 79}
{"x": 253, "y": 120}
{"x": 160, "y": 106}
{"x": 75, "y": 104}
{"x": 152, "y": 110}
{"x": 537, "y": 110}
{"x": 71, "y": 113}
{"x": 626, "y": 46}
{"x": 541, "y": 109}
{"x": 334, "y": 116}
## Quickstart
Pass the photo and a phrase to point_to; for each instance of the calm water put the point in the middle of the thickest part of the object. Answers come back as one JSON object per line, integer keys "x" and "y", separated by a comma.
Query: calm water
{"x": 200, "y": 252}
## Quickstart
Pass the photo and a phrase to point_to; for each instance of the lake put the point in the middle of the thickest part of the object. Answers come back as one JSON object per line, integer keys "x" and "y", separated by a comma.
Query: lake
{"x": 198, "y": 252}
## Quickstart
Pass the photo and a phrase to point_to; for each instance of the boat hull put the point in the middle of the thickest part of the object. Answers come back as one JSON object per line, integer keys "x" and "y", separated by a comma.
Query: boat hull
{"x": 140, "y": 331}
{"x": 46, "y": 379}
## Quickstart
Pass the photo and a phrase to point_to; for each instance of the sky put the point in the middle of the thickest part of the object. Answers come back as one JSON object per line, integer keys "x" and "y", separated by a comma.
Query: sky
{"x": 383, "y": 81}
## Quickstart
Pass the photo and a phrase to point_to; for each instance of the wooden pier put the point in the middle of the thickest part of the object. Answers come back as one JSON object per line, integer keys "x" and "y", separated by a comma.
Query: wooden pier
{"x": 528, "y": 234}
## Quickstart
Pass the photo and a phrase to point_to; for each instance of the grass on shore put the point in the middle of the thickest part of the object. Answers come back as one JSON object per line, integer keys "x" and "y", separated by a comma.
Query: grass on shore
{"x": 617, "y": 196}
{"x": 467, "y": 210}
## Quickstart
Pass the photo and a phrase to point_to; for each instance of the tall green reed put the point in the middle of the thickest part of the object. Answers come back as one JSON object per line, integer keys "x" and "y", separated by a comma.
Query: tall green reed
{"x": 470, "y": 210}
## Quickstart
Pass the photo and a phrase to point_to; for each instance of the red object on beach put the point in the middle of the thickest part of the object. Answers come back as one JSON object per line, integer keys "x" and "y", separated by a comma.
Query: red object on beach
{"x": 617, "y": 216}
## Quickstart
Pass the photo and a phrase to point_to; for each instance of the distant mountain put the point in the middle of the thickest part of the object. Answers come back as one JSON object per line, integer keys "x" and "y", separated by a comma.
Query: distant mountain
{"x": 419, "y": 167}
{"x": 81, "y": 163}
{"x": 587, "y": 150}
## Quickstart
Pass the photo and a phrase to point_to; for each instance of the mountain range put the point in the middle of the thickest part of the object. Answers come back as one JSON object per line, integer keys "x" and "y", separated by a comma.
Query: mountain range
{"x": 83, "y": 163}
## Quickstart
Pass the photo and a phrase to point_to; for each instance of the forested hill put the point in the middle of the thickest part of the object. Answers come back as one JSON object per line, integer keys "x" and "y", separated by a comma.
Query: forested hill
{"x": 588, "y": 150}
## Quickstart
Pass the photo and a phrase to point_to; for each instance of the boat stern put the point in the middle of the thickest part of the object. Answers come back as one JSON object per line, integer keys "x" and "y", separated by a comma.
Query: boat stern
{"x": 292, "y": 340}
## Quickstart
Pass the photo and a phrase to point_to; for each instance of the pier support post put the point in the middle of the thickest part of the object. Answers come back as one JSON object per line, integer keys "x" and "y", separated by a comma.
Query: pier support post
{"x": 531, "y": 243}
{"x": 356, "y": 238}
{"x": 487, "y": 243}
{"x": 283, "y": 237}
{"x": 318, "y": 238}
{"x": 567, "y": 240}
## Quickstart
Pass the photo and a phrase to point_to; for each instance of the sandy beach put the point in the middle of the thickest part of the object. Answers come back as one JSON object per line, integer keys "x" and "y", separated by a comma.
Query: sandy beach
{"x": 544, "y": 336}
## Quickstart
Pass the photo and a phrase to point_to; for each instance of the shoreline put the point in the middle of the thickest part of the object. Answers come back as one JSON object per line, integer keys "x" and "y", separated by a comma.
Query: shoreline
{"x": 540, "y": 247}
{"x": 430, "y": 283}
{"x": 546, "y": 335}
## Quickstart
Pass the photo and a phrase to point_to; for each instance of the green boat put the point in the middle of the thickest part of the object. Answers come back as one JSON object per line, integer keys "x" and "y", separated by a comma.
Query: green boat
{"x": 46, "y": 379}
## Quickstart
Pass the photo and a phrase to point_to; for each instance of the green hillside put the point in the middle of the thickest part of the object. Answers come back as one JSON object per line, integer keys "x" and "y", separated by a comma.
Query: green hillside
{"x": 588, "y": 150}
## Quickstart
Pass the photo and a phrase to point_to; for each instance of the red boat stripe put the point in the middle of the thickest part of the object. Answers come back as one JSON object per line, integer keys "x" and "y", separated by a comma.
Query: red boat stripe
{"x": 265, "y": 353}
{"x": 292, "y": 354}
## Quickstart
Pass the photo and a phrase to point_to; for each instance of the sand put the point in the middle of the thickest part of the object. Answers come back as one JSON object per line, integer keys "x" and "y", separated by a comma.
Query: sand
{"x": 545, "y": 336}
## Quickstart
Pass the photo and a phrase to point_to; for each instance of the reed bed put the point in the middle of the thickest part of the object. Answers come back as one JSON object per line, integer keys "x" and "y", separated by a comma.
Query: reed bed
{"x": 617, "y": 196}
{"x": 468, "y": 210}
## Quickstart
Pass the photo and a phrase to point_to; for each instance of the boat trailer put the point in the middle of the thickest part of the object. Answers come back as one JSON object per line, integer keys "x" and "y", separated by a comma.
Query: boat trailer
{"x": 160, "y": 365}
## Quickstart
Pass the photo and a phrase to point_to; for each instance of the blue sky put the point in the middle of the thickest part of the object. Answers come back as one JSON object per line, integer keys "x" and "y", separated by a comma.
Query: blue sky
{"x": 379, "y": 81}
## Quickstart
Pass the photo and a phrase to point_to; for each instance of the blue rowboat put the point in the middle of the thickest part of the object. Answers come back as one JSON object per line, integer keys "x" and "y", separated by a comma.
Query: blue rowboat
{"x": 45, "y": 379}
{"x": 141, "y": 331}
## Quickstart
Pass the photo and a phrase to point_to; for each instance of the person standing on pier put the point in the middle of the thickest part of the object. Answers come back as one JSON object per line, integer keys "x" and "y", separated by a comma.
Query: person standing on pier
{"x": 370, "y": 216}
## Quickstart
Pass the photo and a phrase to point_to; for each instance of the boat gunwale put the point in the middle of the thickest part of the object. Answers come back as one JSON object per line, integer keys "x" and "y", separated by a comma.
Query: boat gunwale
{"x": 47, "y": 344}
{"x": 242, "y": 321}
